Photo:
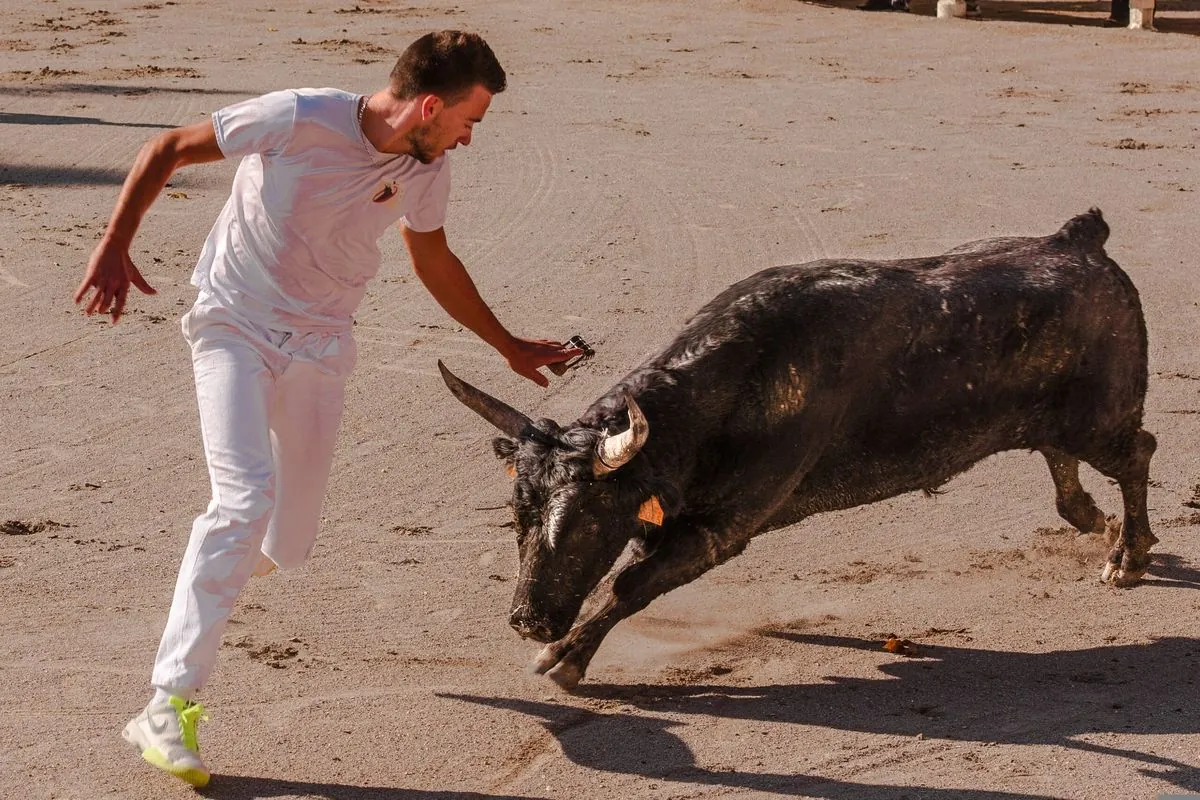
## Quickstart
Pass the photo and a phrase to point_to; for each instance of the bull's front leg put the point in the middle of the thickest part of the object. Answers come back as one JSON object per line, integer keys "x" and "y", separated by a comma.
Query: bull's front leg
{"x": 684, "y": 553}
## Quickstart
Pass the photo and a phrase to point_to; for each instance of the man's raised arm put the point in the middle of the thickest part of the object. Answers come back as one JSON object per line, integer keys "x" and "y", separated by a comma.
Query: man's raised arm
{"x": 110, "y": 270}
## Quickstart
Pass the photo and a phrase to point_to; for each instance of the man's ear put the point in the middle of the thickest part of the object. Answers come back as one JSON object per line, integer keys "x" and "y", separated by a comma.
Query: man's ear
{"x": 431, "y": 106}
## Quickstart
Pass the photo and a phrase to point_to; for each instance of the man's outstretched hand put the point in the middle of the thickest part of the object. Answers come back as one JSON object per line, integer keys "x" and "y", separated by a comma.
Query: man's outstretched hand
{"x": 529, "y": 354}
{"x": 110, "y": 271}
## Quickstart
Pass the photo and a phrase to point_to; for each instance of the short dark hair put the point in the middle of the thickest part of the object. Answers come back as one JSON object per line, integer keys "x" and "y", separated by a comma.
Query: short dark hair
{"x": 448, "y": 64}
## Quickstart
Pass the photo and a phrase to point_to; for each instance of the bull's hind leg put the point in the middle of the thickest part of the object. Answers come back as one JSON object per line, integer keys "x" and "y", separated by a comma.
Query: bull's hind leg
{"x": 679, "y": 558}
{"x": 1128, "y": 463}
{"x": 1074, "y": 504}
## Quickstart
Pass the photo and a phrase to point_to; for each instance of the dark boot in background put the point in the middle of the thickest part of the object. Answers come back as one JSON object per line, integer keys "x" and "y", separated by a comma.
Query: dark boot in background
{"x": 1118, "y": 15}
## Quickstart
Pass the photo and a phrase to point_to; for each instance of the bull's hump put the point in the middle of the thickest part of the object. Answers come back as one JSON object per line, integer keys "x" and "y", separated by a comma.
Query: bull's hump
{"x": 1088, "y": 229}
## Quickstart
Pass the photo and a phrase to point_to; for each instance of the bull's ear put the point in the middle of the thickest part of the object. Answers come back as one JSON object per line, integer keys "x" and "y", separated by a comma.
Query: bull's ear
{"x": 506, "y": 451}
{"x": 504, "y": 448}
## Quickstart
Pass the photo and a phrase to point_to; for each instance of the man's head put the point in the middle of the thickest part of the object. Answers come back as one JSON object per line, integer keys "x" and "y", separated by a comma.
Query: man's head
{"x": 452, "y": 75}
{"x": 447, "y": 64}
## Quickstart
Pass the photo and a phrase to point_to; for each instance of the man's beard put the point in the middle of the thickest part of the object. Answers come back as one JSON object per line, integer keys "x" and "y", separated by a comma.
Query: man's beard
{"x": 420, "y": 144}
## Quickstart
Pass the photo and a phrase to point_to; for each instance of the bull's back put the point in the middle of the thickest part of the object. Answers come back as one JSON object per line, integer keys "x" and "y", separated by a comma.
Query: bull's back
{"x": 1039, "y": 345}
{"x": 914, "y": 369}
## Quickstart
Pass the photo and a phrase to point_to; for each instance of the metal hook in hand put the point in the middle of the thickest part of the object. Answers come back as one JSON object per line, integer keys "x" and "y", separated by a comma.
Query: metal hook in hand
{"x": 577, "y": 343}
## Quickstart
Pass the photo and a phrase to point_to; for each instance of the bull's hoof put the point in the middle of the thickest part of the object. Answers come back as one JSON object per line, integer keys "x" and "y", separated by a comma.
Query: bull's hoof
{"x": 566, "y": 675}
{"x": 1121, "y": 577}
{"x": 545, "y": 660}
{"x": 549, "y": 662}
{"x": 1128, "y": 577}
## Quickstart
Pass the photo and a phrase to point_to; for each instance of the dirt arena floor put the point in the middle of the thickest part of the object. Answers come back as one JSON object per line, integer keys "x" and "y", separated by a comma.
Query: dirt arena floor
{"x": 647, "y": 154}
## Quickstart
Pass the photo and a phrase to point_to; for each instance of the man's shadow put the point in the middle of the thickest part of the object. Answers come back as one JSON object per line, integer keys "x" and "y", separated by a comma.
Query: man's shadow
{"x": 948, "y": 692}
{"x": 244, "y": 787}
{"x": 15, "y": 118}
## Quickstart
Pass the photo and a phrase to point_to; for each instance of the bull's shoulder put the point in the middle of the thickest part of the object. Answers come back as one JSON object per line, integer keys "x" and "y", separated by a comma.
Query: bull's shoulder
{"x": 779, "y": 287}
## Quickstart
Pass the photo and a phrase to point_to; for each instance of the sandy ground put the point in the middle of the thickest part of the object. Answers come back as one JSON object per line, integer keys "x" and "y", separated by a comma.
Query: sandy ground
{"x": 647, "y": 154}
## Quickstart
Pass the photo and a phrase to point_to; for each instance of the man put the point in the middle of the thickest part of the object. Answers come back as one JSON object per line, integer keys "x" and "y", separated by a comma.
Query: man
{"x": 323, "y": 174}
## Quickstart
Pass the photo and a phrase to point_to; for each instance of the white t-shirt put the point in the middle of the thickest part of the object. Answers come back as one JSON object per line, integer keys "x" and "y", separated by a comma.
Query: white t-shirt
{"x": 298, "y": 239}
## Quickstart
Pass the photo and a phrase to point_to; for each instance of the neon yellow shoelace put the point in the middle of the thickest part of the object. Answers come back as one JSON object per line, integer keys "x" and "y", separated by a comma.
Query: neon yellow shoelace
{"x": 189, "y": 715}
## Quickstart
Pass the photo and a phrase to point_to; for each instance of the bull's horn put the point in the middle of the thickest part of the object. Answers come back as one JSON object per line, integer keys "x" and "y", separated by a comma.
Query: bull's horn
{"x": 507, "y": 419}
{"x": 614, "y": 452}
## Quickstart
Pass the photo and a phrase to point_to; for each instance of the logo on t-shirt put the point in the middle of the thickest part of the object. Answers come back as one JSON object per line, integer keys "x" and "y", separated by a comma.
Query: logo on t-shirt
{"x": 390, "y": 189}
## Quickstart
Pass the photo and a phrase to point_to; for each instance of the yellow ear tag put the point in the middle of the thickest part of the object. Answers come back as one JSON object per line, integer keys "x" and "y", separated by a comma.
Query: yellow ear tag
{"x": 651, "y": 511}
{"x": 511, "y": 470}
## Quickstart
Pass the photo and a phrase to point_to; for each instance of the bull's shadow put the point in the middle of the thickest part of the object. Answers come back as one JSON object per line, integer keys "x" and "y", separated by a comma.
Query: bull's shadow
{"x": 646, "y": 747}
{"x": 950, "y": 692}
{"x": 1169, "y": 571}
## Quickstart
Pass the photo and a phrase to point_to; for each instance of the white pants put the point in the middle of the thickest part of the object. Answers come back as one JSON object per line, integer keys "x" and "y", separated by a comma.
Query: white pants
{"x": 270, "y": 405}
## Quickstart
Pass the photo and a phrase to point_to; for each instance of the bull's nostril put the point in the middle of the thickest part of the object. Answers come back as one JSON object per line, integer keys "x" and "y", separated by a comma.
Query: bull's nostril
{"x": 519, "y": 624}
{"x": 537, "y": 631}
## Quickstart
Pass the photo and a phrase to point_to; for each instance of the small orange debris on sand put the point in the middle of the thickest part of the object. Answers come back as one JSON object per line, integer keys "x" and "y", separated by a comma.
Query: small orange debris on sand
{"x": 901, "y": 647}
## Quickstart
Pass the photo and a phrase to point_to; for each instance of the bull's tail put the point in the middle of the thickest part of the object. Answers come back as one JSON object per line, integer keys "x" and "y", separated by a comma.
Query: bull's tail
{"x": 1089, "y": 230}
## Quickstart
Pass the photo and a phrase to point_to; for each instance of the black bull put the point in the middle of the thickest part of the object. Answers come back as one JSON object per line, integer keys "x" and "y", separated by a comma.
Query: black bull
{"x": 823, "y": 386}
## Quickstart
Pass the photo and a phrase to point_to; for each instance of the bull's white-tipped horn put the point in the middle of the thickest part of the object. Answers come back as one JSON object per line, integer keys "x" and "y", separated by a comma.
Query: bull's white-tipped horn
{"x": 504, "y": 417}
{"x": 614, "y": 452}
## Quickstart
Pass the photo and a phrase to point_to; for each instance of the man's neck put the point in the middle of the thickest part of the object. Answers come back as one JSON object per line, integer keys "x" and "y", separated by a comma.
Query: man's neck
{"x": 386, "y": 121}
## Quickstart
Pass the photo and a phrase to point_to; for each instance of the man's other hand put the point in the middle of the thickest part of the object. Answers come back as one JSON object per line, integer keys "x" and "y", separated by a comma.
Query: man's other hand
{"x": 110, "y": 271}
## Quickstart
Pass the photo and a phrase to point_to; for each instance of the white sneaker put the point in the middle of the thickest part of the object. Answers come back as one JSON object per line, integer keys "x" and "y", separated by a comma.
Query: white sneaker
{"x": 166, "y": 735}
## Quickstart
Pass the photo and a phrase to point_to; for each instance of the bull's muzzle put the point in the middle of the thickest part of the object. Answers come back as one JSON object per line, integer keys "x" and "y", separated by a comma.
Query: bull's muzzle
{"x": 528, "y": 627}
